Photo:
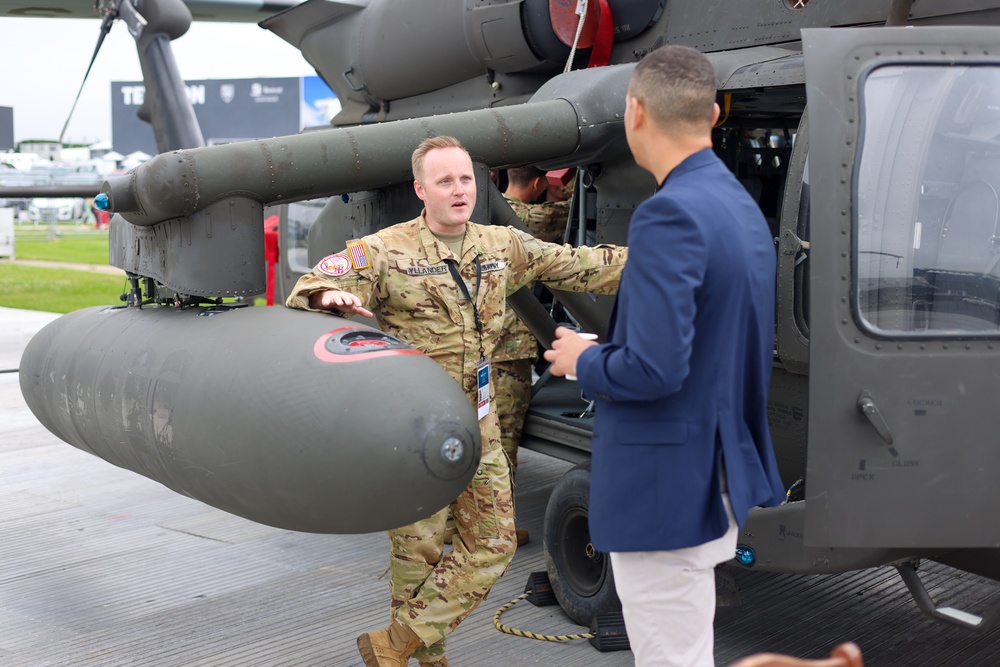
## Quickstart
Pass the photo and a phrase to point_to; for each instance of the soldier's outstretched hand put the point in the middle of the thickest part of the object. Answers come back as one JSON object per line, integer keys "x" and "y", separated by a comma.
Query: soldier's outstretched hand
{"x": 338, "y": 300}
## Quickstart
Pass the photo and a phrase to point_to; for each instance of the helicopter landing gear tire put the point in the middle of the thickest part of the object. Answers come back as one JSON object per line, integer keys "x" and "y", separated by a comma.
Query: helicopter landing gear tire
{"x": 580, "y": 576}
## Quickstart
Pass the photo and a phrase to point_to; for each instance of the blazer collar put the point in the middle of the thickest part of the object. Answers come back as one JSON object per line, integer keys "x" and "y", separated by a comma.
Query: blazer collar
{"x": 702, "y": 158}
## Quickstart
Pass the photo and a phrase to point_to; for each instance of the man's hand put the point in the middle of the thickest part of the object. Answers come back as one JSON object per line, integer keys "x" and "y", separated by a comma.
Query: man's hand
{"x": 566, "y": 349}
{"x": 334, "y": 299}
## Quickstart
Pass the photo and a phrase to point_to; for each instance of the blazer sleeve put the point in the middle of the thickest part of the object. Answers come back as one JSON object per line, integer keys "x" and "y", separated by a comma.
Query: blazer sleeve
{"x": 649, "y": 354}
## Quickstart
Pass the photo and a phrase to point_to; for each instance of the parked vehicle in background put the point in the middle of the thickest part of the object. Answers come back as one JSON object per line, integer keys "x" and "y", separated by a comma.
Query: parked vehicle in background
{"x": 18, "y": 204}
{"x": 48, "y": 175}
{"x": 61, "y": 209}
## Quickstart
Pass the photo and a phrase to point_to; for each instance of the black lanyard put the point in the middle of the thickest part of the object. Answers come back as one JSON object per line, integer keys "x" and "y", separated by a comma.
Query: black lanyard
{"x": 453, "y": 268}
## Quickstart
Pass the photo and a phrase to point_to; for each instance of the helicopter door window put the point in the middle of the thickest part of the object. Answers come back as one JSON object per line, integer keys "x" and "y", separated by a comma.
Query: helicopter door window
{"x": 926, "y": 202}
{"x": 301, "y": 216}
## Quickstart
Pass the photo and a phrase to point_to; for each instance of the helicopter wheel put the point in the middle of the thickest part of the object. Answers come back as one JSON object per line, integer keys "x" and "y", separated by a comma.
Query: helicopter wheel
{"x": 581, "y": 576}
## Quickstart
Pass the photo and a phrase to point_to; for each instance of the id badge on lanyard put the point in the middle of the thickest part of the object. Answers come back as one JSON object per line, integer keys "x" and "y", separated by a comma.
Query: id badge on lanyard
{"x": 483, "y": 367}
{"x": 483, "y": 383}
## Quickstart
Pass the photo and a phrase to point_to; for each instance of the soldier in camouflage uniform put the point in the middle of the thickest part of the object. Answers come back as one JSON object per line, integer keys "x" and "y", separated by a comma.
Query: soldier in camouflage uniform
{"x": 403, "y": 274}
{"x": 545, "y": 221}
{"x": 517, "y": 352}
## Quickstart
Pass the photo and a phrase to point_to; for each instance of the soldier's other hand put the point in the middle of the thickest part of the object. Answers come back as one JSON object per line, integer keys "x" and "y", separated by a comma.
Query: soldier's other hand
{"x": 342, "y": 301}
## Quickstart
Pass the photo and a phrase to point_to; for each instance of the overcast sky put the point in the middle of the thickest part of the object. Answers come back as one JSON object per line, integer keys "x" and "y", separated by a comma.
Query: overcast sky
{"x": 42, "y": 63}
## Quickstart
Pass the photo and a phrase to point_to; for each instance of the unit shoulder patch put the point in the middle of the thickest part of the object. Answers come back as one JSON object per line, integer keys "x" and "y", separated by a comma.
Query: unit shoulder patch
{"x": 334, "y": 265}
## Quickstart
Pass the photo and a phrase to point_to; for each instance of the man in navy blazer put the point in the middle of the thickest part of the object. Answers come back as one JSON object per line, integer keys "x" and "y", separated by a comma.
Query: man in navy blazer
{"x": 681, "y": 447}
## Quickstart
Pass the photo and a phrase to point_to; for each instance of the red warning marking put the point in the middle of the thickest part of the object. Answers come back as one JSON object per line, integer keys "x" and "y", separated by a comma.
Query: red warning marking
{"x": 323, "y": 354}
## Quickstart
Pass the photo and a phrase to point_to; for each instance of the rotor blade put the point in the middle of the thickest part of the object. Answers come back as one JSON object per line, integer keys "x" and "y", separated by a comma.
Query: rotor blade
{"x": 109, "y": 18}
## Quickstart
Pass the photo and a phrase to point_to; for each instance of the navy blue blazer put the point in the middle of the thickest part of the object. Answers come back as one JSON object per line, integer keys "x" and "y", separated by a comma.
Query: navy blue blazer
{"x": 681, "y": 385}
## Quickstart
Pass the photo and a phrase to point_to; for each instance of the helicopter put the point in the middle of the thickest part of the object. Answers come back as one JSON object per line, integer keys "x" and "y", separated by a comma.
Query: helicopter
{"x": 866, "y": 131}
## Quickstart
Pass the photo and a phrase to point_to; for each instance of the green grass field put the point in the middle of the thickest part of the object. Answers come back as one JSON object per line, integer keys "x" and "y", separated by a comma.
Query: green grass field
{"x": 58, "y": 290}
{"x": 76, "y": 244}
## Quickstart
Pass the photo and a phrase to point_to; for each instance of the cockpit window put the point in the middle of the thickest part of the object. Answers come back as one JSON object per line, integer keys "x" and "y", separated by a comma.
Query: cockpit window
{"x": 926, "y": 203}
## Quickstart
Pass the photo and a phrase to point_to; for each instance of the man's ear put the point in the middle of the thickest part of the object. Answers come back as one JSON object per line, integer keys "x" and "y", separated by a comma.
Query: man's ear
{"x": 539, "y": 184}
{"x": 638, "y": 112}
{"x": 419, "y": 189}
{"x": 716, "y": 112}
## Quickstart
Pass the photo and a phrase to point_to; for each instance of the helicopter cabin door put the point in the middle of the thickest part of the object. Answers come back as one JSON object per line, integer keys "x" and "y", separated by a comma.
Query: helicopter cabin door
{"x": 904, "y": 349}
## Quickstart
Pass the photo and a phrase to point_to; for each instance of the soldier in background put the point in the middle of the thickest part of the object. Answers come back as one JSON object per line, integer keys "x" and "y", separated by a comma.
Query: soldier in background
{"x": 517, "y": 351}
{"x": 440, "y": 283}
{"x": 545, "y": 220}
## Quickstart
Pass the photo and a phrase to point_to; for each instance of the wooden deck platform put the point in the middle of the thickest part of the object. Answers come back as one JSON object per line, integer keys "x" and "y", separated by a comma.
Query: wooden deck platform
{"x": 100, "y": 566}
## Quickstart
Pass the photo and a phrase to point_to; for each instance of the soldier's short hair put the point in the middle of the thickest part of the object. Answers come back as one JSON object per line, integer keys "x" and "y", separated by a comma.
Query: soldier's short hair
{"x": 676, "y": 85}
{"x": 522, "y": 176}
{"x": 426, "y": 146}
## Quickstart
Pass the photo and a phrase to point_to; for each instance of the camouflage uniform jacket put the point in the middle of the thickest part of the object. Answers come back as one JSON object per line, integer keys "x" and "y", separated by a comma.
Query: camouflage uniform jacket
{"x": 414, "y": 296}
{"x": 545, "y": 221}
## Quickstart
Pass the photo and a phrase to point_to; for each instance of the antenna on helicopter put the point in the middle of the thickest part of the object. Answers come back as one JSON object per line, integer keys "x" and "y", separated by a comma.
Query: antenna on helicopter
{"x": 110, "y": 11}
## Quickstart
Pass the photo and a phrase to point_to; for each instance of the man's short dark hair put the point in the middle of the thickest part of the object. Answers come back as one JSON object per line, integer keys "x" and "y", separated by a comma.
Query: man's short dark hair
{"x": 522, "y": 176}
{"x": 677, "y": 87}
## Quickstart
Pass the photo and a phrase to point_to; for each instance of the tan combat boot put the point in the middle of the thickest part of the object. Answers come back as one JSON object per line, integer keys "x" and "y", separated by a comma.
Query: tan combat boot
{"x": 389, "y": 647}
{"x": 522, "y": 536}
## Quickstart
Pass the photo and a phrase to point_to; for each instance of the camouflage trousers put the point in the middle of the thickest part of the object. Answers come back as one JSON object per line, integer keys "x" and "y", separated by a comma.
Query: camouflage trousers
{"x": 512, "y": 395}
{"x": 433, "y": 591}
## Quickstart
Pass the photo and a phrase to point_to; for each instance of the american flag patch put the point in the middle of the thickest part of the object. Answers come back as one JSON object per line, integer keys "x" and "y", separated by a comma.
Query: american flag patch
{"x": 359, "y": 256}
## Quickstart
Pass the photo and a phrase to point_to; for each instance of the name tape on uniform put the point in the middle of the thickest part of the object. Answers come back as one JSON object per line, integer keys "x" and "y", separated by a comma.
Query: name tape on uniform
{"x": 425, "y": 270}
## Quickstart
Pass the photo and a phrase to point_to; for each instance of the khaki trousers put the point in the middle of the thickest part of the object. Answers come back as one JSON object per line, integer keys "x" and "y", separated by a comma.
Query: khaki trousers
{"x": 668, "y": 600}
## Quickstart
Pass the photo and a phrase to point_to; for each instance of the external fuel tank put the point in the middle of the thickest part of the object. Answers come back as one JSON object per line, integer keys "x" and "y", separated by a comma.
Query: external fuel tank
{"x": 296, "y": 420}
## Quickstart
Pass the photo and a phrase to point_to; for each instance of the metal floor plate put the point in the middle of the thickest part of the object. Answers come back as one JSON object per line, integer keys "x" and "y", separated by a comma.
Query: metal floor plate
{"x": 100, "y": 566}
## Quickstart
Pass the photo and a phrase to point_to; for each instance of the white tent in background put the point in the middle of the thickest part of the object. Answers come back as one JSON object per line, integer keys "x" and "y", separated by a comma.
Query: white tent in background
{"x": 133, "y": 160}
{"x": 100, "y": 149}
{"x": 109, "y": 162}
